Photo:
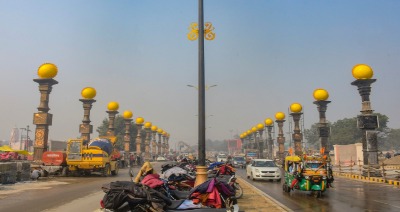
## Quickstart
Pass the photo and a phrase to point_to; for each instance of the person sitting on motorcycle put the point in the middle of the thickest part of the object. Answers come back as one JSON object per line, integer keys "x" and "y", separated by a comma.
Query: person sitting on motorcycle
{"x": 146, "y": 169}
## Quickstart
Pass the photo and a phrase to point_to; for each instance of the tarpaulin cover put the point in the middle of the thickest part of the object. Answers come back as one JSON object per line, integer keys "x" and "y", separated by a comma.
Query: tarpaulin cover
{"x": 103, "y": 144}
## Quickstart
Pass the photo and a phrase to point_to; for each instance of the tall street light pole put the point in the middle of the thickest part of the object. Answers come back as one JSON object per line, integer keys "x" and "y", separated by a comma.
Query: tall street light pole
{"x": 201, "y": 169}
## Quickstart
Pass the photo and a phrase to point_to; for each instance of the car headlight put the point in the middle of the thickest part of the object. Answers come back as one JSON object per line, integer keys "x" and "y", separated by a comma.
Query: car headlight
{"x": 257, "y": 170}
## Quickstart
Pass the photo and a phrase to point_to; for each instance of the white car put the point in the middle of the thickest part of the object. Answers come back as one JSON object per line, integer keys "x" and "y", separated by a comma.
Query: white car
{"x": 222, "y": 158}
{"x": 160, "y": 158}
{"x": 263, "y": 169}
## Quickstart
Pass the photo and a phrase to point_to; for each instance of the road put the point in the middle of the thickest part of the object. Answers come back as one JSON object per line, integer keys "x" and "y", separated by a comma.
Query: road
{"x": 347, "y": 195}
{"x": 84, "y": 194}
{"x": 57, "y": 194}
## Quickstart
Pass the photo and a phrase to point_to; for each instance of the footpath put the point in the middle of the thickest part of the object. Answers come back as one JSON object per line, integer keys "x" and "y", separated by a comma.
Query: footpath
{"x": 255, "y": 200}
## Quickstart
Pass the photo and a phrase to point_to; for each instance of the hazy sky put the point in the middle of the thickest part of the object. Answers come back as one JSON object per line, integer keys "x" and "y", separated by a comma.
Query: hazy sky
{"x": 266, "y": 55}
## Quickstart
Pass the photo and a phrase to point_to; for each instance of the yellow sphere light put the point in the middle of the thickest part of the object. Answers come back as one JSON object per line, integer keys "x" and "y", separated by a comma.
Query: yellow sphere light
{"x": 320, "y": 94}
{"x": 296, "y": 107}
{"x": 249, "y": 132}
{"x": 154, "y": 128}
{"x": 260, "y": 126}
{"x": 268, "y": 122}
{"x": 362, "y": 71}
{"x": 280, "y": 116}
{"x": 245, "y": 134}
{"x": 88, "y": 93}
{"x": 164, "y": 133}
{"x": 139, "y": 120}
{"x": 47, "y": 71}
{"x": 127, "y": 114}
{"x": 254, "y": 129}
{"x": 160, "y": 131}
{"x": 113, "y": 106}
{"x": 147, "y": 125}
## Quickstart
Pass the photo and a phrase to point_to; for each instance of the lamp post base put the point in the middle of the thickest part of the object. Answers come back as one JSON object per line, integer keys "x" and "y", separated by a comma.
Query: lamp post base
{"x": 201, "y": 175}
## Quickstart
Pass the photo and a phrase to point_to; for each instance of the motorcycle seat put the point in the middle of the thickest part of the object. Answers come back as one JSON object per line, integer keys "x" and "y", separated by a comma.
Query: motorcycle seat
{"x": 180, "y": 194}
{"x": 175, "y": 204}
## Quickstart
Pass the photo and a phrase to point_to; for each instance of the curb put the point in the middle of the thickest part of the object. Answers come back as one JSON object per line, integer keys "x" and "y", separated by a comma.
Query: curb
{"x": 266, "y": 196}
{"x": 371, "y": 179}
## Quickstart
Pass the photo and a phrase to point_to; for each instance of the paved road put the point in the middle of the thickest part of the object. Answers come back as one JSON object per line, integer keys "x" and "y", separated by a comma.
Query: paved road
{"x": 347, "y": 195}
{"x": 57, "y": 194}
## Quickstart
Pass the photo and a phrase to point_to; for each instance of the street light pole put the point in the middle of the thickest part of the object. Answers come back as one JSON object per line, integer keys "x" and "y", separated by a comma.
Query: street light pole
{"x": 201, "y": 169}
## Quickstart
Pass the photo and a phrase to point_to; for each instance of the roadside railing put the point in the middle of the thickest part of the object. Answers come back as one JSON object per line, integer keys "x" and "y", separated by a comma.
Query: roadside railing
{"x": 385, "y": 171}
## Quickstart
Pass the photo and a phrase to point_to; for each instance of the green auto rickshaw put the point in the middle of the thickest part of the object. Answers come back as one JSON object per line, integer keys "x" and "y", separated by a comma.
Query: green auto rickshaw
{"x": 307, "y": 173}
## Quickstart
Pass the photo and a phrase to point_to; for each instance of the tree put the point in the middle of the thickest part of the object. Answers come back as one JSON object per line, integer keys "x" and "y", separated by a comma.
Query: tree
{"x": 392, "y": 140}
{"x": 345, "y": 131}
{"x": 311, "y": 135}
{"x": 119, "y": 124}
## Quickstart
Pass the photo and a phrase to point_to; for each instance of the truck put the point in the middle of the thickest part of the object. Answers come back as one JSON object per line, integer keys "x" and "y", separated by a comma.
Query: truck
{"x": 99, "y": 155}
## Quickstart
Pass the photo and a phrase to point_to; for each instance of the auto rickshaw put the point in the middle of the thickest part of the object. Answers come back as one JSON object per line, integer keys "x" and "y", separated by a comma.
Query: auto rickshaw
{"x": 307, "y": 173}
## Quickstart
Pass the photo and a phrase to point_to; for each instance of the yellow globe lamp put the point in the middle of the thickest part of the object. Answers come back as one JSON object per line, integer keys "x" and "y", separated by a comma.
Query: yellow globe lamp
{"x": 47, "y": 71}
{"x": 154, "y": 128}
{"x": 296, "y": 107}
{"x": 168, "y": 135}
{"x": 88, "y": 93}
{"x": 268, "y": 122}
{"x": 320, "y": 94}
{"x": 362, "y": 71}
{"x": 280, "y": 116}
{"x": 245, "y": 134}
{"x": 254, "y": 129}
{"x": 260, "y": 126}
{"x": 147, "y": 125}
{"x": 127, "y": 114}
{"x": 241, "y": 136}
{"x": 160, "y": 131}
{"x": 139, "y": 120}
{"x": 249, "y": 132}
{"x": 113, "y": 106}
{"x": 164, "y": 133}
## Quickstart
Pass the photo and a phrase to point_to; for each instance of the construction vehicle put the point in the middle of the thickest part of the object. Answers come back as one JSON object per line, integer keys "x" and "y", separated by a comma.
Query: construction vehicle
{"x": 99, "y": 155}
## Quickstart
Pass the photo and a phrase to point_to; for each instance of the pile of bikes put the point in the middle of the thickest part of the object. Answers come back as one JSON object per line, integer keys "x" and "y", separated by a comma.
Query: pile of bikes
{"x": 173, "y": 189}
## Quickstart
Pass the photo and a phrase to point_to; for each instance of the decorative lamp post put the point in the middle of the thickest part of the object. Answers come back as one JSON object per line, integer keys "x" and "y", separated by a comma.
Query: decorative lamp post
{"x": 242, "y": 139}
{"x": 280, "y": 118}
{"x": 154, "y": 129}
{"x": 296, "y": 109}
{"x": 164, "y": 135}
{"x": 86, "y": 128}
{"x": 139, "y": 124}
{"x": 255, "y": 142}
{"x": 260, "y": 129}
{"x": 112, "y": 111}
{"x": 147, "y": 127}
{"x": 167, "y": 144}
{"x": 245, "y": 142}
{"x": 43, "y": 119}
{"x": 321, "y": 96}
{"x": 159, "y": 133}
{"x": 127, "y": 138}
{"x": 269, "y": 123}
{"x": 367, "y": 122}
{"x": 250, "y": 143}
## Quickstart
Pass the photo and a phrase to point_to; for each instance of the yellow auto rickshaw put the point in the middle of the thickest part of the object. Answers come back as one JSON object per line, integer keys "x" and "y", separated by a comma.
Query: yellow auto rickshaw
{"x": 306, "y": 173}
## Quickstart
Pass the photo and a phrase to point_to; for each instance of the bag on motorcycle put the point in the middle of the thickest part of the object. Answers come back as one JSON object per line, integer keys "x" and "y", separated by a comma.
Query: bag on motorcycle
{"x": 132, "y": 188}
{"x": 113, "y": 199}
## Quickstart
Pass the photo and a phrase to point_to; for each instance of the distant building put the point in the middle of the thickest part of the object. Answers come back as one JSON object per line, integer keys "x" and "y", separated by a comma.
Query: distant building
{"x": 234, "y": 146}
{"x": 348, "y": 154}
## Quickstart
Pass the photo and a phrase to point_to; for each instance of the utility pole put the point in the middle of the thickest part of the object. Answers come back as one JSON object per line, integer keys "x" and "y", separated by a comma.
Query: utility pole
{"x": 27, "y": 138}
{"x": 20, "y": 142}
